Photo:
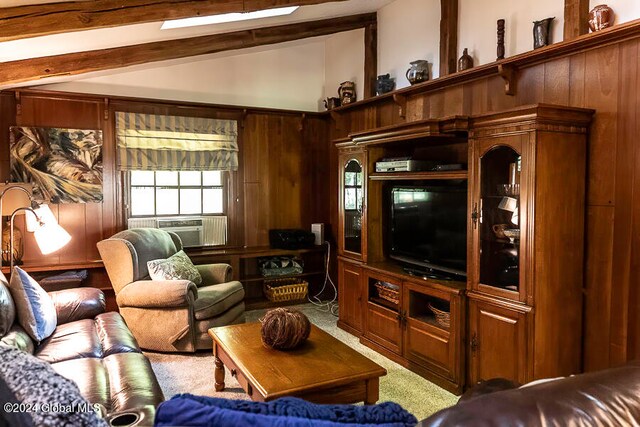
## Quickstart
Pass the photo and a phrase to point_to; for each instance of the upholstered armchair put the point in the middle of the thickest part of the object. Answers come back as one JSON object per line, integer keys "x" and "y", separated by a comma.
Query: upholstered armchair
{"x": 168, "y": 315}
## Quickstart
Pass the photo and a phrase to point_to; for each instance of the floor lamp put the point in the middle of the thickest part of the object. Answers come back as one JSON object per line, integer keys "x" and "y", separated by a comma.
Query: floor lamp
{"x": 49, "y": 235}
{"x": 12, "y": 197}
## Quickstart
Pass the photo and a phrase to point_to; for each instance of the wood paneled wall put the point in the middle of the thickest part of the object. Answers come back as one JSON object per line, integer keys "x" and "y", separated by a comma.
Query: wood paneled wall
{"x": 607, "y": 79}
{"x": 280, "y": 184}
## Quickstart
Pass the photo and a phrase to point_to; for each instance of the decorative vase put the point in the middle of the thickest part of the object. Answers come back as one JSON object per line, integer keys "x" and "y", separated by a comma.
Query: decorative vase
{"x": 331, "y": 103}
{"x": 419, "y": 71}
{"x": 601, "y": 17}
{"x": 466, "y": 61}
{"x": 347, "y": 92}
{"x": 500, "y": 50}
{"x": 541, "y": 31}
{"x": 18, "y": 244}
{"x": 384, "y": 84}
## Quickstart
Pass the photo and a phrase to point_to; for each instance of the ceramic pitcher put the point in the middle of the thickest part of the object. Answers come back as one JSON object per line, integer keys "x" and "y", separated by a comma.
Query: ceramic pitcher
{"x": 419, "y": 71}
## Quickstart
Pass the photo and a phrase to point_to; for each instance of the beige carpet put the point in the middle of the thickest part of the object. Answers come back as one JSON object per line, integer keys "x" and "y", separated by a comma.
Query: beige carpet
{"x": 189, "y": 373}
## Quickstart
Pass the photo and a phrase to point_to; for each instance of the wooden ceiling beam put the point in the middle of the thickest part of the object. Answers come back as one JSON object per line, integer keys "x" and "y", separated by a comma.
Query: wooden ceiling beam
{"x": 14, "y": 72}
{"x": 52, "y": 18}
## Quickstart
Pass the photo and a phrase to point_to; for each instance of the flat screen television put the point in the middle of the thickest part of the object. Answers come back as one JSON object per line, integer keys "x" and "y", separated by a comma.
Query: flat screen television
{"x": 428, "y": 228}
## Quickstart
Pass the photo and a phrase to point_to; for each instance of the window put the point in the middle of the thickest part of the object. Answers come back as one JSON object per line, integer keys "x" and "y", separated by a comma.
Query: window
{"x": 159, "y": 193}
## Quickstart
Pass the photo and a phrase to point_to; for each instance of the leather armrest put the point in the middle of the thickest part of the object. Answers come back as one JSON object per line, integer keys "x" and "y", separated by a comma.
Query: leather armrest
{"x": 78, "y": 303}
{"x": 214, "y": 274}
{"x": 158, "y": 294}
{"x": 487, "y": 387}
{"x": 143, "y": 416}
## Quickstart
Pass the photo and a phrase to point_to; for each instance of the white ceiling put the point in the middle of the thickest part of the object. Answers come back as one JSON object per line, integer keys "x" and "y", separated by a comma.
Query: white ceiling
{"x": 149, "y": 32}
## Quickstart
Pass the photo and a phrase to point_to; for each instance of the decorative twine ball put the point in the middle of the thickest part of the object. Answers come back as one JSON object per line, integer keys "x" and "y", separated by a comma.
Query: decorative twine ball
{"x": 284, "y": 329}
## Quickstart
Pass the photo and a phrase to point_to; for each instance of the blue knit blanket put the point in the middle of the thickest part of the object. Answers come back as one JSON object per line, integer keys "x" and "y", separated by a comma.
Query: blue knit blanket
{"x": 189, "y": 410}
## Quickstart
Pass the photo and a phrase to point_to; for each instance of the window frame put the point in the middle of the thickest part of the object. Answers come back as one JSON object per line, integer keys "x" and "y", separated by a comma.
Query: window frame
{"x": 224, "y": 185}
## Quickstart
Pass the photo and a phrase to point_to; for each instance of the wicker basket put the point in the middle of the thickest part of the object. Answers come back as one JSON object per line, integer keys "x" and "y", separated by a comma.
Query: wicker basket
{"x": 388, "y": 293}
{"x": 290, "y": 289}
{"x": 442, "y": 317}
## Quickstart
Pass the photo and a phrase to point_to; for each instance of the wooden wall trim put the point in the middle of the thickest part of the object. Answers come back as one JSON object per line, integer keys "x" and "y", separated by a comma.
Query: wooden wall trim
{"x": 183, "y": 105}
{"x": 448, "y": 37}
{"x": 576, "y": 14}
{"x": 370, "y": 59}
{"x": 38, "y": 20}
{"x": 616, "y": 34}
{"x": 119, "y": 57}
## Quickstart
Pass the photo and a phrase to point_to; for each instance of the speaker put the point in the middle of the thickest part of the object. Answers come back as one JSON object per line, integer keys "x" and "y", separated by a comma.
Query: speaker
{"x": 318, "y": 231}
{"x": 290, "y": 239}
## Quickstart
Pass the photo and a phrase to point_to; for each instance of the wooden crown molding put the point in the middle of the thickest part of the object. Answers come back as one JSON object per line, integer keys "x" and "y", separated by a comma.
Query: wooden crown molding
{"x": 52, "y": 18}
{"x": 14, "y": 72}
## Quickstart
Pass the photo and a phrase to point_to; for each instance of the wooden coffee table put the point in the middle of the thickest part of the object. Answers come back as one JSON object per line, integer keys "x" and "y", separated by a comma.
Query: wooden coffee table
{"x": 323, "y": 370}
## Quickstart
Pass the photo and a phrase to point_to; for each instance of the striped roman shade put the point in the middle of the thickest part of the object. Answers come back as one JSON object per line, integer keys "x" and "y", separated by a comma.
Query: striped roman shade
{"x": 155, "y": 142}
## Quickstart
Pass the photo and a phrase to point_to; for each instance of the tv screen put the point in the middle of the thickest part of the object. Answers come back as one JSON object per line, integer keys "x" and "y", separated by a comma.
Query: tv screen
{"x": 429, "y": 227}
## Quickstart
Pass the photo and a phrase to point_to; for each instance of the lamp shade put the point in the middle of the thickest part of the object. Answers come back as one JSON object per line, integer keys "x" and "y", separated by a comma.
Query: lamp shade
{"x": 50, "y": 237}
{"x": 44, "y": 215}
{"x": 48, "y": 234}
{"x": 15, "y": 196}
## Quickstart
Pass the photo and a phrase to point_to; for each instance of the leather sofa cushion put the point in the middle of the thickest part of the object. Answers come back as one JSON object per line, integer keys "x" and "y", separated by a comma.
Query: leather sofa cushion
{"x": 105, "y": 335}
{"x": 76, "y": 304}
{"x": 119, "y": 382}
{"x": 216, "y": 299}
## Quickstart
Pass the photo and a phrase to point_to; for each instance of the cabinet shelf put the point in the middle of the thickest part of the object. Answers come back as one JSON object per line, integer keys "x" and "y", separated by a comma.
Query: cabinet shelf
{"x": 260, "y": 278}
{"x": 431, "y": 321}
{"x": 403, "y": 176}
{"x": 383, "y": 303}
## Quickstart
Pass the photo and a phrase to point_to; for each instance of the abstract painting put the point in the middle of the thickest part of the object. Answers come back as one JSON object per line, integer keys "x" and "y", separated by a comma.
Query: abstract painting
{"x": 63, "y": 165}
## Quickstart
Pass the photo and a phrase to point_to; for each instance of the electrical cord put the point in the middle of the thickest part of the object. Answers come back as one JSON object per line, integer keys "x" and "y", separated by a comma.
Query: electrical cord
{"x": 330, "y": 306}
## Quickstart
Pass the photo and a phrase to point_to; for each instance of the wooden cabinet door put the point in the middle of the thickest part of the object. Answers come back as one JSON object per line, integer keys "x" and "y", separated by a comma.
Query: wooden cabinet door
{"x": 350, "y": 296}
{"x": 498, "y": 343}
{"x": 352, "y": 196}
{"x": 382, "y": 322}
{"x": 426, "y": 341}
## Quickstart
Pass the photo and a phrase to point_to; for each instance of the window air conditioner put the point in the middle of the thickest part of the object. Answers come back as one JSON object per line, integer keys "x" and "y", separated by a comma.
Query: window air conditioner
{"x": 194, "y": 231}
{"x": 189, "y": 230}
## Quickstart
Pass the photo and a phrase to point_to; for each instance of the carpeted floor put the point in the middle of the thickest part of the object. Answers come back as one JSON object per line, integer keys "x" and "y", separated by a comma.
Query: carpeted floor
{"x": 189, "y": 373}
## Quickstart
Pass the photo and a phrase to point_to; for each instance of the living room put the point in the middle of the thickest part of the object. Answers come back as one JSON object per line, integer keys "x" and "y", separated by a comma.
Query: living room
{"x": 468, "y": 169}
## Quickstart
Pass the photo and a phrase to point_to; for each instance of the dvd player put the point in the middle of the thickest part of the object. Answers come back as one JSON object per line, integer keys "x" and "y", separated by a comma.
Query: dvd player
{"x": 404, "y": 165}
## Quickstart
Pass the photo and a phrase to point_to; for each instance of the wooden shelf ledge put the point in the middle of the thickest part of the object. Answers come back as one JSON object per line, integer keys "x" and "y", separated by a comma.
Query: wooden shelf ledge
{"x": 510, "y": 66}
{"x": 401, "y": 176}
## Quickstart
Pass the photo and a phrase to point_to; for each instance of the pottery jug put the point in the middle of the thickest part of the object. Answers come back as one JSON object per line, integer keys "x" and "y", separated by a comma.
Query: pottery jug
{"x": 466, "y": 61}
{"x": 600, "y": 17}
{"x": 541, "y": 30}
{"x": 347, "y": 92}
{"x": 331, "y": 103}
{"x": 419, "y": 71}
{"x": 384, "y": 84}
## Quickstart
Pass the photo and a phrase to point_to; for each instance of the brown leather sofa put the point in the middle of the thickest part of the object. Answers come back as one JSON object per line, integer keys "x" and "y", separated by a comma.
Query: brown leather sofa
{"x": 604, "y": 398}
{"x": 93, "y": 348}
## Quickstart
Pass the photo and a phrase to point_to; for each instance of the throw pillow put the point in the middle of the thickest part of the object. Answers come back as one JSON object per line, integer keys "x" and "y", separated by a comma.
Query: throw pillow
{"x": 177, "y": 267}
{"x": 7, "y": 308}
{"x": 35, "y": 308}
{"x": 34, "y": 394}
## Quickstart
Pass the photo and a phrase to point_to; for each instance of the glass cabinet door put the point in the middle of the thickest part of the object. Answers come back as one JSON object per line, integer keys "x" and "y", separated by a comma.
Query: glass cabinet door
{"x": 353, "y": 195}
{"x": 499, "y": 218}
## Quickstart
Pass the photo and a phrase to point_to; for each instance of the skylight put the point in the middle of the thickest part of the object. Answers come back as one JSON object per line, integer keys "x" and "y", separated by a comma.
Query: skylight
{"x": 227, "y": 17}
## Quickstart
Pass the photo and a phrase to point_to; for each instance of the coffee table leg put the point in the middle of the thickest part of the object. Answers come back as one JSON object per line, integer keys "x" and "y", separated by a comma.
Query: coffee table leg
{"x": 219, "y": 374}
{"x": 373, "y": 391}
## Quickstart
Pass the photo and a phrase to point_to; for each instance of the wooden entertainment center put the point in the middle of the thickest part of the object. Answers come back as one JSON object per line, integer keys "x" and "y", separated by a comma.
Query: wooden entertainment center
{"x": 519, "y": 313}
